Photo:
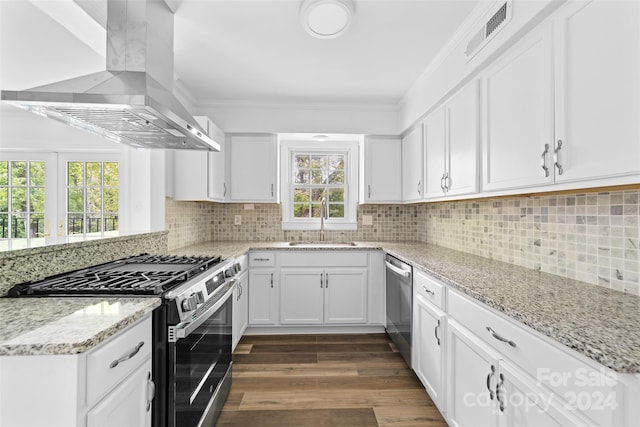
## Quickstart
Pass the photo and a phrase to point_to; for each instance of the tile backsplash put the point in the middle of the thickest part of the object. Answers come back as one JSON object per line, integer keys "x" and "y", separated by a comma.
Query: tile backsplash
{"x": 592, "y": 237}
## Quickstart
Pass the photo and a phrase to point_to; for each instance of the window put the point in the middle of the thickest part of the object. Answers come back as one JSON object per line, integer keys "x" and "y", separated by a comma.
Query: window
{"x": 317, "y": 177}
{"x": 22, "y": 200}
{"x": 313, "y": 171}
{"x": 92, "y": 197}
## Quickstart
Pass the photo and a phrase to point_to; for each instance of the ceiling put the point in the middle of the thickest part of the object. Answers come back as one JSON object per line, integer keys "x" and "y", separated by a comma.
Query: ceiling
{"x": 247, "y": 51}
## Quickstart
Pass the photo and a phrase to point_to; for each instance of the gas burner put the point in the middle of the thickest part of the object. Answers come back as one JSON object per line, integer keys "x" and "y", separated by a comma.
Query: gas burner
{"x": 138, "y": 275}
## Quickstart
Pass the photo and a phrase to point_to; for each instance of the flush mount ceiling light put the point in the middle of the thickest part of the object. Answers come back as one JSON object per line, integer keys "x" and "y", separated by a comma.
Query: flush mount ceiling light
{"x": 326, "y": 19}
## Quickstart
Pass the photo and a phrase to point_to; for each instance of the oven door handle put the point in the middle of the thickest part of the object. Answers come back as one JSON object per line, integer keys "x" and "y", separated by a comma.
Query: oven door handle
{"x": 183, "y": 330}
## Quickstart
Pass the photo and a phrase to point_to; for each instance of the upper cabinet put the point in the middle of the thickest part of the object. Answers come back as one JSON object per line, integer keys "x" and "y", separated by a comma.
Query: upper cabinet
{"x": 597, "y": 90}
{"x": 253, "y": 167}
{"x": 412, "y": 164}
{"x": 382, "y": 170}
{"x": 200, "y": 175}
{"x": 451, "y": 146}
{"x": 518, "y": 115}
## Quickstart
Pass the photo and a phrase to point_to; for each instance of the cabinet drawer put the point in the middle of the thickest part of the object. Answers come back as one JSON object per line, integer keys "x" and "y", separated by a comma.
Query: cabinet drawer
{"x": 101, "y": 376}
{"x": 429, "y": 288}
{"x": 574, "y": 379}
{"x": 323, "y": 259}
{"x": 262, "y": 259}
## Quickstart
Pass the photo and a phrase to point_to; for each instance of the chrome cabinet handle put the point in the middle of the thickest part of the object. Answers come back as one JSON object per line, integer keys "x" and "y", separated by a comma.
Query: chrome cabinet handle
{"x": 419, "y": 187}
{"x": 435, "y": 332}
{"x": 446, "y": 181}
{"x": 489, "y": 377}
{"x": 271, "y": 280}
{"x": 151, "y": 391}
{"x": 500, "y": 338}
{"x": 369, "y": 191}
{"x": 442, "y": 182}
{"x": 543, "y": 160}
{"x": 326, "y": 280}
{"x": 261, "y": 259}
{"x": 499, "y": 392}
{"x": 224, "y": 189}
{"x": 556, "y": 161}
{"x": 320, "y": 280}
{"x": 127, "y": 356}
{"x": 271, "y": 190}
{"x": 429, "y": 291}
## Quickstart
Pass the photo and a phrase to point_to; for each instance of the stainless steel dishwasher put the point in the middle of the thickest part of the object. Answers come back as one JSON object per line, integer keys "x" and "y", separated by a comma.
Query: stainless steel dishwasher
{"x": 399, "y": 283}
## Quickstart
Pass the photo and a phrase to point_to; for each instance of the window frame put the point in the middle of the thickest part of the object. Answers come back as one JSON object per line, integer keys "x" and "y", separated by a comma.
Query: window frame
{"x": 349, "y": 148}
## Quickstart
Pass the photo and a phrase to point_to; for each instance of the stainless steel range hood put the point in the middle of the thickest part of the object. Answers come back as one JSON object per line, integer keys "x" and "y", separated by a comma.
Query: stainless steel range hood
{"x": 132, "y": 101}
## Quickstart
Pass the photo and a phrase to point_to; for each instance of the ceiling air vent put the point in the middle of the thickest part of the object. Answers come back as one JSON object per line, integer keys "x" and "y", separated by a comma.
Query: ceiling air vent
{"x": 489, "y": 29}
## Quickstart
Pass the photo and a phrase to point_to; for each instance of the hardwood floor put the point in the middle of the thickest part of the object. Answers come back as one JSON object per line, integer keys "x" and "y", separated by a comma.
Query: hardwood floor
{"x": 324, "y": 381}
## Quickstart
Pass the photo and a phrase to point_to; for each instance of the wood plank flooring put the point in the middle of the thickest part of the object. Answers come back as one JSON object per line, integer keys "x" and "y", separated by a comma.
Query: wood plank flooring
{"x": 324, "y": 381}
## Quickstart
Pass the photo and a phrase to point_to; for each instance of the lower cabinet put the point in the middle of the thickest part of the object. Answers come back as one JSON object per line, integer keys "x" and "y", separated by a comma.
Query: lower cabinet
{"x": 316, "y": 296}
{"x": 240, "y": 307}
{"x": 428, "y": 348}
{"x": 263, "y": 297}
{"x": 122, "y": 406}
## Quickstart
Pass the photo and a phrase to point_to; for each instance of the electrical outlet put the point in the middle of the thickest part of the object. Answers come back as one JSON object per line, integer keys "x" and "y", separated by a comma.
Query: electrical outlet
{"x": 248, "y": 206}
{"x": 367, "y": 220}
{"x": 237, "y": 220}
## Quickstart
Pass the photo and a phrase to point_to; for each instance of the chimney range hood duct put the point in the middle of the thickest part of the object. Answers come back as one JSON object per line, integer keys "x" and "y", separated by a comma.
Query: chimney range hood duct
{"x": 132, "y": 101}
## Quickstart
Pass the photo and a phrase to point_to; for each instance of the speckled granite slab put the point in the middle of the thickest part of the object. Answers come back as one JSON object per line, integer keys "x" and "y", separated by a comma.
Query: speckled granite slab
{"x": 603, "y": 324}
{"x": 30, "y": 326}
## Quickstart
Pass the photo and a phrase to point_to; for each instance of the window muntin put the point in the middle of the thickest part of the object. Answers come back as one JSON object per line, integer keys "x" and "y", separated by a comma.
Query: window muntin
{"x": 22, "y": 202}
{"x": 92, "y": 197}
{"x": 317, "y": 176}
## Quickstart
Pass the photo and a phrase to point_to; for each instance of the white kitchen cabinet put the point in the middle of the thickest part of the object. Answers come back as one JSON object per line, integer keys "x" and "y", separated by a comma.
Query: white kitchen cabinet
{"x": 413, "y": 164}
{"x": 84, "y": 389}
{"x": 122, "y": 407}
{"x": 240, "y": 307}
{"x": 263, "y": 297}
{"x": 518, "y": 115}
{"x": 597, "y": 90}
{"x": 200, "y": 175}
{"x": 451, "y": 146}
{"x": 382, "y": 170}
{"x": 253, "y": 167}
{"x": 428, "y": 356}
{"x": 323, "y": 296}
{"x": 485, "y": 390}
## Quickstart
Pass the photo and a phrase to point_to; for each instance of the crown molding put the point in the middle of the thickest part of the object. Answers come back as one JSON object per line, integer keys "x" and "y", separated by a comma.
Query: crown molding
{"x": 307, "y": 105}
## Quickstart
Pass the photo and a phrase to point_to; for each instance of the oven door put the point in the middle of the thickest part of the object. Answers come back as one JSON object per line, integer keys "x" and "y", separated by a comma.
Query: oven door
{"x": 200, "y": 367}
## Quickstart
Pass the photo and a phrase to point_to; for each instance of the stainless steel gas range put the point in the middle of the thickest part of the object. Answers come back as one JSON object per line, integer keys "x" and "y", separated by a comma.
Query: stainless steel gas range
{"x": 192, "y": 338}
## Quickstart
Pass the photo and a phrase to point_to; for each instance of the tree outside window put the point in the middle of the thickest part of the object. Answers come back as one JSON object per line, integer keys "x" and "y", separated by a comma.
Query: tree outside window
{"x": 22, "y": 199}
{"x": 92, "y": 197}
{"x": 317, "y": 176}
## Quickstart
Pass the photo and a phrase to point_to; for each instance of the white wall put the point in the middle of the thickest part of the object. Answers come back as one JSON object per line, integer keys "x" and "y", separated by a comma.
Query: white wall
{"x": 303, "y": 118}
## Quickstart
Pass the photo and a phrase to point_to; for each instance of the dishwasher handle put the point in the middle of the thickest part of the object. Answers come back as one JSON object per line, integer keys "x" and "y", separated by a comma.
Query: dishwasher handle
{"x": 398, "y": 271}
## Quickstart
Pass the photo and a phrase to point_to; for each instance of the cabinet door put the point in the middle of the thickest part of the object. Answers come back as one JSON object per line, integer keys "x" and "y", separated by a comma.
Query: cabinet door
{"x": 471, "y": 380}
{"x": 412, "y": 165}
{"x": 263, "y": 297}
{"x": 434, "y": 144}
{"x": 190, "y": 175}
{"x": 217, "y": 185}
{"x": 345, "y": 295}
{"x": 461, "y": 176}
{"x": 518, "y": 115}
{"x": 128, "y": 405}
{"x": 301, "y": 296}
{"x": 382, "y": 170}
{"x": 428, "y": 348}
{"x": 523, "y": 404}
{"x": 253, "y": 168}
{"x": 597, "y": 90}
{"x": 240, "y": 308}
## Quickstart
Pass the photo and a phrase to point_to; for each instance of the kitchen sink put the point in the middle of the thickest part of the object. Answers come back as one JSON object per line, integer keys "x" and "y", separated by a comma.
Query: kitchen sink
{"x": 323, "y": 244}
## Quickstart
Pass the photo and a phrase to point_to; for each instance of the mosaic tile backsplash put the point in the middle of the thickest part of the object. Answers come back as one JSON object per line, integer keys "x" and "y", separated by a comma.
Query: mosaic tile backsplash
{"x": 591, "y": 237}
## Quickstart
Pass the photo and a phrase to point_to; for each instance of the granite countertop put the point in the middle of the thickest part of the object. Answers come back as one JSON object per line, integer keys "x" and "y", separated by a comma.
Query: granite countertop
{"x": 46, "y": 326}
{"x": 601, "y": 323}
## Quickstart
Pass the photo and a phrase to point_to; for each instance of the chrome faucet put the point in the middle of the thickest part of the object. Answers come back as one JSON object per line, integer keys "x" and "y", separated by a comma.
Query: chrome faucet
{"x": 323, "y": 214}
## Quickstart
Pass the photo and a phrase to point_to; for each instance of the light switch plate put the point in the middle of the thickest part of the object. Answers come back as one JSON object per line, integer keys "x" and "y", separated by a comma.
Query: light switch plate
{"x": 367, "y": 220}
{"x": 237, "y": 220}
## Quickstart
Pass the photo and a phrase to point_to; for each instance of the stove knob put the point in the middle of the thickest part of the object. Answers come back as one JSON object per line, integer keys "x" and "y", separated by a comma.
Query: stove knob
{"x": 237, "y": 267}
{"x": 190, "y": 303}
